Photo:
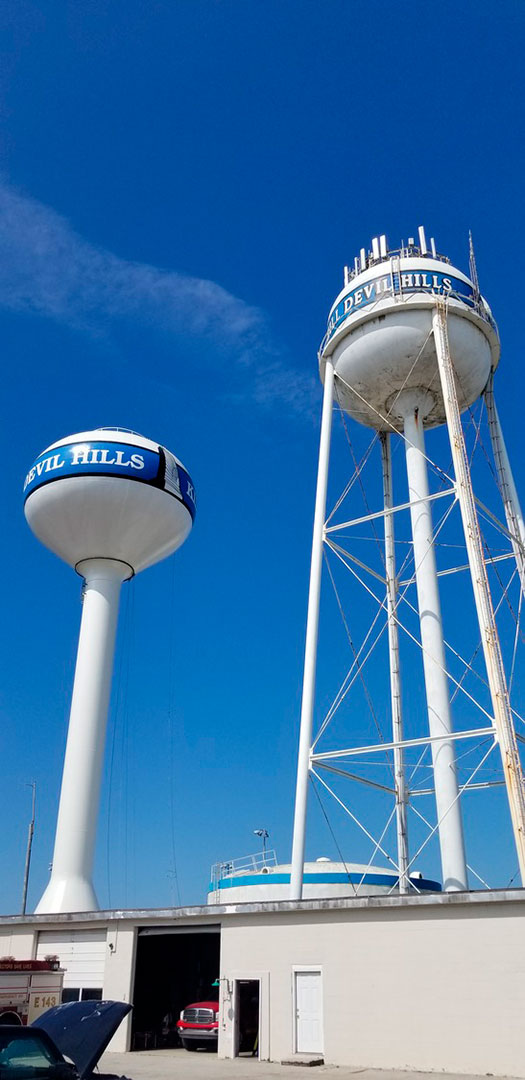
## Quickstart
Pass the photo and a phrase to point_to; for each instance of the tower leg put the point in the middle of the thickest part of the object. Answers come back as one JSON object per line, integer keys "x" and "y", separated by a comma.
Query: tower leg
{"x": 312, "y": 630}
{"x": 395, "y": 677}
{"x": 509, "y": 494}
{"x": 70, "y": 887}
{"x": 503, "y": 721}
{"x": 412, "y": 405}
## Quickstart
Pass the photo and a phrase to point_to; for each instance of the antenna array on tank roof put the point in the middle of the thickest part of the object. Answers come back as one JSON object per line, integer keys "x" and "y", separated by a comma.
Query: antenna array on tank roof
{"x": 379, "y": 252}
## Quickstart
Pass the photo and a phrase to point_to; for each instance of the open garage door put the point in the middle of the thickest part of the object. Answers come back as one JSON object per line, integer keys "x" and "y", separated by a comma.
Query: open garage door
{"x": 175, "y": 967}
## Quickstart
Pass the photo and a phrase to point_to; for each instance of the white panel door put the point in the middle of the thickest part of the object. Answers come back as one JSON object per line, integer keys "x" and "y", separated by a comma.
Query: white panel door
{"x": 308, "y": 1012}
{"x": 82, "y": 953}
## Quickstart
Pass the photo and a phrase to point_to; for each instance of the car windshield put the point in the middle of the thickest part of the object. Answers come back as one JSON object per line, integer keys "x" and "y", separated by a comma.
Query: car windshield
{"x": 29, "y": 1056}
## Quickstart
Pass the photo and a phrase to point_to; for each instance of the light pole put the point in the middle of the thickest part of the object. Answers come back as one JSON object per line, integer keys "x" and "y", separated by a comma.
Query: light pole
{"x": 264, "y": 834}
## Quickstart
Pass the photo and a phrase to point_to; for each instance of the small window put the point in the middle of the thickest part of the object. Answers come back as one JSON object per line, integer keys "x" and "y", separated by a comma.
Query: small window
{"x": 91, "y": 994}
{"x": 70, "y": 993}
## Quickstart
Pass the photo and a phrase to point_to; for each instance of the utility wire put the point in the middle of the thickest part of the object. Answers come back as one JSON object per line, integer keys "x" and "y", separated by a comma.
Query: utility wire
{"x": 332, "y": 833}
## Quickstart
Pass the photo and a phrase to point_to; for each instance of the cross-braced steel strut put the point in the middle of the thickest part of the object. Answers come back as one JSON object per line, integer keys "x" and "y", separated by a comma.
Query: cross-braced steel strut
{"x": 511, "y": 503}
{"x": 395, "y": 677}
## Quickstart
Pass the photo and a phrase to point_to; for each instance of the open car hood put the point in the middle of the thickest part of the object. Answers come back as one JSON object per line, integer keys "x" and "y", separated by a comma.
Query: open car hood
{"x": 82, "y": 1029}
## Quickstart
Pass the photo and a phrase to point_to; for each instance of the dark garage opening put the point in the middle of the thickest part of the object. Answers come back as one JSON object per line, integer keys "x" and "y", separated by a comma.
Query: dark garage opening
{"x": 173, "y": 969}
{"x": 247, "y": 1017}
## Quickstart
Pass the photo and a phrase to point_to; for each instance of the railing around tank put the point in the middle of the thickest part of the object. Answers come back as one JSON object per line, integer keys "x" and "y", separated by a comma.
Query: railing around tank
{"x": 246, "y": 864}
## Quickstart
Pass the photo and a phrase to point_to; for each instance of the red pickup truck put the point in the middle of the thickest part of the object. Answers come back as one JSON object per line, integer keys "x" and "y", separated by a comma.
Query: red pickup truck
{"x": 198, "y": 1026}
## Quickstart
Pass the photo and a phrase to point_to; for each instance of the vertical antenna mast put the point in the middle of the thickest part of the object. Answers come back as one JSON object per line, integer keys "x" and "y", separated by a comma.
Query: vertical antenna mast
{"x": 473, "y": 268}
{"x": 30, "y": 835}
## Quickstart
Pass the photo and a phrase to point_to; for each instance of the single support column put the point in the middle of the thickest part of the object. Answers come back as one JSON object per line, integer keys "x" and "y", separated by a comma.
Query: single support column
{"x": 413, "y": 405}
{"x": 511, "y": 502}
{"x": 312, "y": 631}
{"x": 70, "y": 887}
{"x": 503, "y": 721}
{"x": 395, "y": 678}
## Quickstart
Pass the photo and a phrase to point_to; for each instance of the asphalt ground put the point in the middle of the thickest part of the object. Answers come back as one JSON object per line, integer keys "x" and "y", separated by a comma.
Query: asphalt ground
{"x": 180, "y": 1065}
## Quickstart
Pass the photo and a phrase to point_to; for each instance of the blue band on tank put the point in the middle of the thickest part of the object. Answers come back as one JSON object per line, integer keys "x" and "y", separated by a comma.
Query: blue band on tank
{"x": 187, "y": 491}
{"x": 111, "y": 459}
{"x": 353, "y": 877}
{"x": 407, "y": 281}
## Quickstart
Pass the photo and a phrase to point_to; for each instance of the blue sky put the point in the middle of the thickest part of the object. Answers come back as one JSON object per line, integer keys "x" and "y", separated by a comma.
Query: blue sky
{"x": 181, "y": 184}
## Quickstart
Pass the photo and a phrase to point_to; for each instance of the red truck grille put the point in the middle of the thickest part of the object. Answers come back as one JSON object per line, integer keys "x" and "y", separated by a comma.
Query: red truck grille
{"x": 199, "y": 1016}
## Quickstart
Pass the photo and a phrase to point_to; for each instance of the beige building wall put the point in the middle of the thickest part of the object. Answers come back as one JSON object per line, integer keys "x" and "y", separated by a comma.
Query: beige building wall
{"x": 436, "y": 987}
{"x": 431, "y": 983}
{"x": 119, "y": 977}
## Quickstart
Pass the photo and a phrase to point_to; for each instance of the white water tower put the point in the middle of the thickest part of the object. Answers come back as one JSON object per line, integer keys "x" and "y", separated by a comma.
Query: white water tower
{"x": 410, "y": 345}
{"x": 110, "y": 503}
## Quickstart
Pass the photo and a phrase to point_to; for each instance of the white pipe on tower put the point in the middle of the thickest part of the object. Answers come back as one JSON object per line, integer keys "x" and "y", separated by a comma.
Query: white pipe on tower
{"x": 70, "y": 887}
{"x": 413, "y": 405}
{"x": 312, "y": 632}
{"x": 499, "y": 693}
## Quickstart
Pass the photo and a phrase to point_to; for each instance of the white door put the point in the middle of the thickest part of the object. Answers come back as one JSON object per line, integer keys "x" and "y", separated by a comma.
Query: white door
{"x": 81, "y": 952}
{"x": 308, "y": 1012}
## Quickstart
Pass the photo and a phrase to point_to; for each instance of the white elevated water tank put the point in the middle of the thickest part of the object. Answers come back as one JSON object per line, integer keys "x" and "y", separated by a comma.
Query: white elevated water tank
{"x": 109, "y": 494}
{"x": 379, "y": 337}
{"x": 109, "y": 503}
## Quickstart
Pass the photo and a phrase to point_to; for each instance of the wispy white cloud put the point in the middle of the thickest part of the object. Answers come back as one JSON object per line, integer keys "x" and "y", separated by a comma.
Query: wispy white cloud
{"x": 46, "y": 268}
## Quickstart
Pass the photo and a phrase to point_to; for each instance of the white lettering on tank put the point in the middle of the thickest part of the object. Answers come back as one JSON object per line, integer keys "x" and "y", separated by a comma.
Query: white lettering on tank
{"x": 447, "y": 284}
{"x": 54, "y": 462}
{"x": 369, "y": 289}
{"x": 104, "y": 457}
{"x": 30, "y": 477}
{"x": 406, "y": 281}
{"x": 85, "y": 455}
{"x": 80, "y": 455}
{"x": 358, "y": 296}
{"x": 119, "y": 460}
{"x": 48, "y": 464}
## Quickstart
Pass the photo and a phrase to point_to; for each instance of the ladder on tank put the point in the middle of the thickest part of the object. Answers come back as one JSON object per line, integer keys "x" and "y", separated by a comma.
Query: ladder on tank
{"x": 397, "y": 290}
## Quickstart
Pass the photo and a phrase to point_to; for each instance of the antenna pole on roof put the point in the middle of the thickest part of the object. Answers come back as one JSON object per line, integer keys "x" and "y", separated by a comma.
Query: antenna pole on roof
{"x": 473, "y": 267}
{"x": 30, "y": 835}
